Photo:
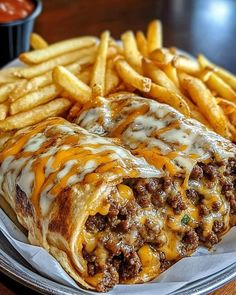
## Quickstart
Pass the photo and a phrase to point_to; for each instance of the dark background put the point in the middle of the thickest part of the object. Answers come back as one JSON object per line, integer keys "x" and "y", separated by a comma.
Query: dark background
{"x": 206, "y": 26}
{"x": 197, "y": 26}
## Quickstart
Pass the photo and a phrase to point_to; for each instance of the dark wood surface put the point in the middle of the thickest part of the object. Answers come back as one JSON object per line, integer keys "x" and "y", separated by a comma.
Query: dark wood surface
{"x": 206, "y": 26}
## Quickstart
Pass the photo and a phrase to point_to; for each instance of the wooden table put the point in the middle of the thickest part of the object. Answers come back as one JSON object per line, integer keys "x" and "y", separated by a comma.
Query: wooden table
{"x": 206, "y": 26}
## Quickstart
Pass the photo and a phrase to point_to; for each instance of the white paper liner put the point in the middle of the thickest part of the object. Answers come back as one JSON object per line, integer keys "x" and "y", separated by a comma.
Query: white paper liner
{"x": 202, "y": 264}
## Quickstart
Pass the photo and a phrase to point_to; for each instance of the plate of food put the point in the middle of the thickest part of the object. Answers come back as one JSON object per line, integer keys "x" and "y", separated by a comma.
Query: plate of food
{"x": 118, "y": 167}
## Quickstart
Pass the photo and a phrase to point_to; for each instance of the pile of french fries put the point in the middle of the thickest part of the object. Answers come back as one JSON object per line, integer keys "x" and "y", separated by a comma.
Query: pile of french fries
{"x": 56, "y": 77}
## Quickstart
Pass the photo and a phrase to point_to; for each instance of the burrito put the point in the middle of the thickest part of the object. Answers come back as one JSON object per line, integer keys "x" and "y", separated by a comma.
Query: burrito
{"x": 85, "y": 199}
{"x": 200, "y": 165}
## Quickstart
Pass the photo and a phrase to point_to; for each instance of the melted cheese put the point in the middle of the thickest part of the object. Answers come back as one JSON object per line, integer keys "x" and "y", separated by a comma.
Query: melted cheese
{"x": 142, "y": 122}
{"x": 43, "y": 170}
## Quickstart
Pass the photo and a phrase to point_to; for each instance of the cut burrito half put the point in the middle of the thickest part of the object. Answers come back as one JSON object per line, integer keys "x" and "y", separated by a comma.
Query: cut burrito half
{"x": 81, "y": 197}
{"x": 200, "y": 165}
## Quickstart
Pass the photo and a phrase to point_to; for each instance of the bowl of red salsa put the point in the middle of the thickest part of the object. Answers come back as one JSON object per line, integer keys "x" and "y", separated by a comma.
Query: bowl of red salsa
{"x": 17, "y": 19}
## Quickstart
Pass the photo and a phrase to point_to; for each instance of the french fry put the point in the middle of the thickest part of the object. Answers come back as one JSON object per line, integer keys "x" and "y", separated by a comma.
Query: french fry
{"x": 113, "y": 45}
{"x": 31, "y": 85}
{"x": 205, "y": 74}
{"x": 232, "y": 130}
{"x": 206, "y": 102}
{"x": 142, "y": 43}
{"x": 218, "y": 85}
{"x": 7, "y": 75}
{"x": 34, "y": 99}
{"x": 171, "y": 72}
{"x": 195, "y": 114}
{"x": 77, "y": 90}
{"x": 80, "y": 69}
{"x": 222, "y": 73}
{"x": 169, "y": 97}
{"x": 85, "y": 76}
{"x": 154, "y": 35}
{"x": 35, "y": 115}
{"x": 6, "y": 89}
{"x": 71, "y": 57}
{"x": 37, "y": 41}
{"x": 158, "y": 76}
{"x": 186, "y": 64}
{"x": 98, "y": 76}
{"x": 229, "y": 109}
{"x": 131, "y": 51}
{"x": 37, "y": 82}
{"x": 111, "y": 80}
{"x": 131, "y": 77}
{"x": 161, "y": 55}
{"x": 3, "y": 111}
{"x": 56, "y": 49}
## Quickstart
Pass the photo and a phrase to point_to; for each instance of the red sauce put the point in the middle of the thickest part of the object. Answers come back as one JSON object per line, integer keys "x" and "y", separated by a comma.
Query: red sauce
{"x": 11, "y": 10}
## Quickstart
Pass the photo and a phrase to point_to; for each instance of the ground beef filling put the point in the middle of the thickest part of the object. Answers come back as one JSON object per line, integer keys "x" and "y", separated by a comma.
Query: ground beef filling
{"x": 123, "y": 262}
{"x": 223, "y": 175}
{"x": 157, "y": 192}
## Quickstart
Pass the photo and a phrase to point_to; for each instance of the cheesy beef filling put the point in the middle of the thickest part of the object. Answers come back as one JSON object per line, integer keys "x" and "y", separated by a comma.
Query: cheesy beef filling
{"x": 150, "y": 224}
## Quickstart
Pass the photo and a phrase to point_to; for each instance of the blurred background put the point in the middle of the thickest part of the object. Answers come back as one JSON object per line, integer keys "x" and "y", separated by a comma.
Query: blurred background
{"x": 196, "y": 26}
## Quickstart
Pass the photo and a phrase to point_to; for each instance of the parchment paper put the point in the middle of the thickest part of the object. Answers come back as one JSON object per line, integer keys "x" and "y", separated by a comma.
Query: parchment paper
{"x": 202, "y": 264}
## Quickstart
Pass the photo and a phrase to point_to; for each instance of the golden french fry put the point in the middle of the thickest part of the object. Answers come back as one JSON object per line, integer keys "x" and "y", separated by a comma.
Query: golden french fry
{"x": 131, "y": 77}
{"x": 205, "y": 74}
{"x": 35, "y": 115}
{"x": 154, "y": 35}
{"x": 68, "y": 58}
{"x": 111, "y": 80}
{"x": 56, "y": 49}
{"x": 229, "y": 109}
{"x": 142, "y": 43}
{"x": 98, "y": 76}
{"x": 6, "y": 89}
{"x": 206, "y": 102}
{"x": 222, "y": 73}
{"x": 169, "y": 97}
{"x": 85, "y": 76}
{"x": 195, "y": 114}
{"x": 158, "y": 76}
{"x": 131, "y": 51}
{"x": 186, "y": 64}
{"x": 218, "y": 85}
{"x": 3, "y": 111}
{"x": 161, "y": 55}
{"x": 7, "y": 75}
{"x": 37, "y": 82}
{"x": 30, "y": 85}
{"x": 232, "y": 130}
{"x": 77, "y": 90}
{"x": 37, "y": 41}
{"x": 34, "y": 99}
{"x": 114, "y": 48}
{"x": 171, "y": 72}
